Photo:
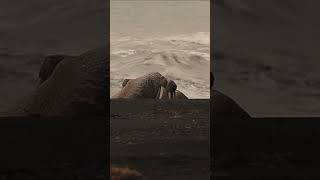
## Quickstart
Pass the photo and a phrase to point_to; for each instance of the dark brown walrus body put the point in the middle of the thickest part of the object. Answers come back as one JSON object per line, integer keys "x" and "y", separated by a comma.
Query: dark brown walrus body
{"x": 77, "y": 86}
{"x": 179, "y": 94}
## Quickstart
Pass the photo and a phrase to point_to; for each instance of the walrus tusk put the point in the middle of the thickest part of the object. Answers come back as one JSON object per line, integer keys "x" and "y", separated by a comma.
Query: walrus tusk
{"x": 161, "y": 92}
{"x": 169, "y": 95}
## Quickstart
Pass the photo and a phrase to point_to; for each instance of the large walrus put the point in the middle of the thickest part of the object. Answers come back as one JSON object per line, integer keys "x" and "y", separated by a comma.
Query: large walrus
{"x": 76, "y": 86}
{"x": 224, "y": 106}
{"x": 148, "y": 86}
{"x": 169, "y": 92}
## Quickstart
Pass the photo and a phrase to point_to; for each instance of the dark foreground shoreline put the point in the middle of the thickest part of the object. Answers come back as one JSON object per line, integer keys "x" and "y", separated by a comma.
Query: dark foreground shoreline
{"x": 162, "y": 140}
{"x": 165, "y": 140}
{"x": 55, "y": 148}
{"x": 266, "y": 148}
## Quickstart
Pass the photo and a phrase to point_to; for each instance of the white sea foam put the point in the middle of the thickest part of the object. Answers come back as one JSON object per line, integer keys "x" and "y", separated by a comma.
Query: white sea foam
{"x": 200, "y": 38}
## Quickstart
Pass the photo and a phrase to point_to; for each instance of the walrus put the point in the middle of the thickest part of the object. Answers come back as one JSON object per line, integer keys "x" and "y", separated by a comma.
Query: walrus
{"x": 77, "y": 86}
{"x": 224, "y": 106}
{"x": 180, "y": 95}
{"x": 171, "y": 89}
{"x": 147, "y": 86}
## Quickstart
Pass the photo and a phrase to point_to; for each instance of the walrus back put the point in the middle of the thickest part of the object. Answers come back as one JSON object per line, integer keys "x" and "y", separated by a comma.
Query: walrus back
{"x": 180, "y": 95}
{"x": 146, "y": 86}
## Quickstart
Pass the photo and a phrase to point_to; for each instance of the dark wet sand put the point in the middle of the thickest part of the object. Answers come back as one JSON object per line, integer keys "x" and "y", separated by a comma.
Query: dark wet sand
{"x": 161, "y": 139}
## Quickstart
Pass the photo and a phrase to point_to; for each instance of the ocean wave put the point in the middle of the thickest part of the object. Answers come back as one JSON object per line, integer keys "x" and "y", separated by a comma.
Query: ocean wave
{"x": 184, "y": 58}
{"x": 199, "y": 38}
{"x": 195, "y": 43}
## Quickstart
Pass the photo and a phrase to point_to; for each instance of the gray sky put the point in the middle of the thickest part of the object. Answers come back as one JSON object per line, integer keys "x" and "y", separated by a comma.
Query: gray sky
{"x": 149, "y": 18}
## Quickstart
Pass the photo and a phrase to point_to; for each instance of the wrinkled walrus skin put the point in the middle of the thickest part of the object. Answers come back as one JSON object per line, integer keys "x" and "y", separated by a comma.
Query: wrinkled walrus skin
{"x": 146, "y": 86}
{"x": 179, "y": 94}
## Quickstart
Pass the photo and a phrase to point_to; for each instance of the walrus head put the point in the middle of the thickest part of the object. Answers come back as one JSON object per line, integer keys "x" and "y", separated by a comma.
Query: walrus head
{"x": 161, "y": 86}
{"x": 171, "y": 89}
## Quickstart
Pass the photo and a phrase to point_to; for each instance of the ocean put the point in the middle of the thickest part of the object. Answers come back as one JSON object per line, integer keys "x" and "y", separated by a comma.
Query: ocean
{"x": 33, "y": 29}
{"x": 169, "y": 37}
{"x": 266, "y": 55}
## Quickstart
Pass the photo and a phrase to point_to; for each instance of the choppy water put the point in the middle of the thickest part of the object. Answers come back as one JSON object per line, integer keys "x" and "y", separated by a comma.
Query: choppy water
{"x": 162, "y": 36}
{"x": 267, "y": 54}
{"x": 184, "y": 59}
